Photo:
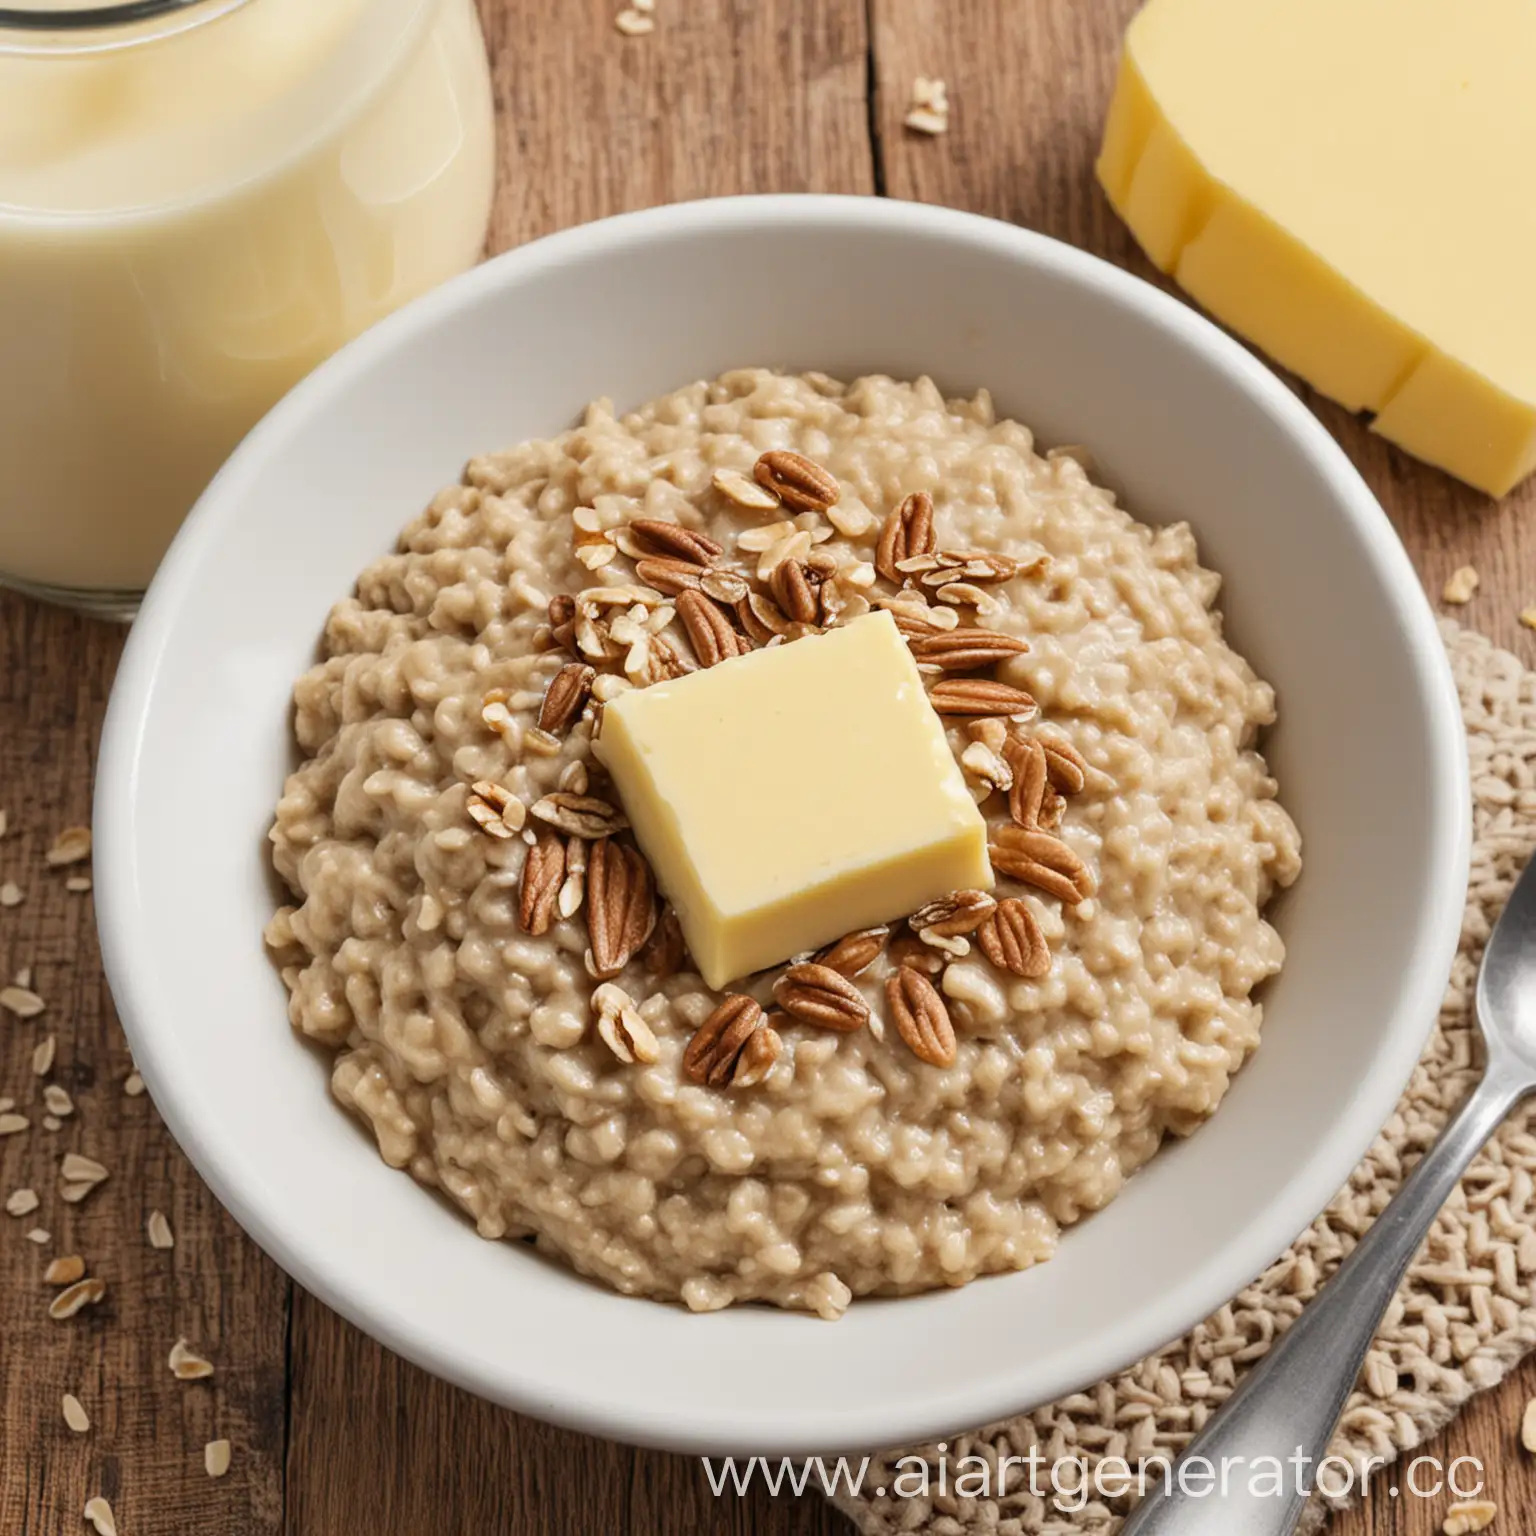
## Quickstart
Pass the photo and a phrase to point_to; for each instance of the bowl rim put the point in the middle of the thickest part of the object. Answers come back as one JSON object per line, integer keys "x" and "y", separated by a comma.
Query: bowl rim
{"x": 569, "y": 1399}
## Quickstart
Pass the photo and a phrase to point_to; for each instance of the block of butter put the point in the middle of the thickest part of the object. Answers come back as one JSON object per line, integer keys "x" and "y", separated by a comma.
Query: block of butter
{"x": 789, "y": 796}
{"x": 1349, "y": 184}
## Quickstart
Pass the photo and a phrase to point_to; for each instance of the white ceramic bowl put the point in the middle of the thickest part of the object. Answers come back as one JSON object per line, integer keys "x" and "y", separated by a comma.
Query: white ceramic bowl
{"x": 1319, "y": 594}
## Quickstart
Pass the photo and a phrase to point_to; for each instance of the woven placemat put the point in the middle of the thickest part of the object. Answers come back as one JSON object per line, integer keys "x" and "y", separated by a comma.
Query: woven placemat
{"x": 1465, "y": 1315}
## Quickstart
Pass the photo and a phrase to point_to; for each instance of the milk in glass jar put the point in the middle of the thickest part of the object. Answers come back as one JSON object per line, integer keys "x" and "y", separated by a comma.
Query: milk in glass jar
{"x": 200, "y": 200}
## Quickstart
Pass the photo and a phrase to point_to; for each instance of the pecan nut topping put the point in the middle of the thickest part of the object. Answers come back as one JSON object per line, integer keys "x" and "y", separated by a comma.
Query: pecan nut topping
{"x": 566, "y": 697}
{"x": 801, "y": 484}
{"x": 668, "y": 574}
{"x": 967, "y": 649}
{"x": 979, "y": 696}
{"x": 795, "y": 592}
{"x": 1043, "y": 861}
{"x": 1012, "y": 940}
{"x": 949, "y": 916}
{"x": 543, "y": 875}
{"x": 855, "y": 952}
{"x": 653, "y": 536}
{"x": 714, "y": 1052}
{"x": 1031, "y": 774}
{"x": 621, "y": 904}
{"x": 908, "y": 531}
{"x": 921, "y": 1017}
{"x": 711, "y": 634}
{"x": 580, "y": 815}
{"x": 816, "y": 994}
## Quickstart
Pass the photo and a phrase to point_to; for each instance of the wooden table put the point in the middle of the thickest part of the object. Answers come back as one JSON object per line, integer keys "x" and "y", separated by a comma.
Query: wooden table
{"x": 332, "y": 1435}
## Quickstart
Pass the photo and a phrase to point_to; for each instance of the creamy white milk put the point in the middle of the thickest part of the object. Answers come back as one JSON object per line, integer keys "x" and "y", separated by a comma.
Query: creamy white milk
{"x": 188, "y": 224}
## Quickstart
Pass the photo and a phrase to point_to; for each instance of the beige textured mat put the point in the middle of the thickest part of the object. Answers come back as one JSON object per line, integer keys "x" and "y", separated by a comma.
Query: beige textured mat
{"x": 1467, "y": 1312}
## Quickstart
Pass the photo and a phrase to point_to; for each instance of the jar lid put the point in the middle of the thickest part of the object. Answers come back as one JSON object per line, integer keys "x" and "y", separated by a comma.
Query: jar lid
{"x": 47, "y": 26}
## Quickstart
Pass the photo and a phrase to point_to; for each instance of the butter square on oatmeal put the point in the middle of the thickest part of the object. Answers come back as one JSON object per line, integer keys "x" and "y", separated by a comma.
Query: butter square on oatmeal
{"x": 794, "y": 794}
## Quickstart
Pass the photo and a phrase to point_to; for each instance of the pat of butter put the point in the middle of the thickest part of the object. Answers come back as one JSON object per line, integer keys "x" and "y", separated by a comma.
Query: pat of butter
{"x": 1349, "y": 184}
{"x": 789, "y": 796}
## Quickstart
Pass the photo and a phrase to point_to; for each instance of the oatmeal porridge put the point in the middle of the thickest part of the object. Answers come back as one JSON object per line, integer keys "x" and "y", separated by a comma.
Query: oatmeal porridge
{"x": 477, "y": 934}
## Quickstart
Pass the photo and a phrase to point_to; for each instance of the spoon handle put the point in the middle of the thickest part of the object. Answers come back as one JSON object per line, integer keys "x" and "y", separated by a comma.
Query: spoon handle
{"x": 1289, "y": 1403}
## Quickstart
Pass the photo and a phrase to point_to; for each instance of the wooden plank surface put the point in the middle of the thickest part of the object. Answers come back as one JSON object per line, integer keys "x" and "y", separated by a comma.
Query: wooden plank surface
{"x": 332, "y": 1434}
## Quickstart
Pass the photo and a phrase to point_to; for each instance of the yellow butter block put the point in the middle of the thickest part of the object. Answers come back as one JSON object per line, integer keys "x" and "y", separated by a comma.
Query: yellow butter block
{"x": 790, "y": 796}
{"x": 1349, "y": 184}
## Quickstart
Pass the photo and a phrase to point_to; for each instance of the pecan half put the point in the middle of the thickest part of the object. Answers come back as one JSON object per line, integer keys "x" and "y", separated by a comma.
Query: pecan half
{"x": 1012, "y": 940}
{"x": 621, "y": 904}
{"x": 543, "y": 875}
{"x": 1030, "y": 776}
{"x": 1043, "y": 861}
{"x": 764, "y": 1047}
{"x": 979, "y": 696}
{"x": 967, "y": 649}
{"x": 1068, "y": 767}
{"x": 921, "y": 1017}
{"x": 566, "y": 697}
{"x": 668, "y": 574}
{"x": 794, "y": 592}
{"x": 855, "y": 952}
{"x": 580, "y": 815}
{"x": 714, "y": 1052}
{"x": 655, "y": 536}
{"x": 959, "y": 912}
{"x": 799, "y": 483}
{"x": 816, "y": 994}
{"x": 666, "y": 951}
{"x": 711, "y": 634}
{"x": 908, "y": 531}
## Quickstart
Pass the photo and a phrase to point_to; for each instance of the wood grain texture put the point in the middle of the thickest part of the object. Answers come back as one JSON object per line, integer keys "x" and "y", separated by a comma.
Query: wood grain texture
{"x": 144, "y": 1451}
{"x": 333, "y": 1434}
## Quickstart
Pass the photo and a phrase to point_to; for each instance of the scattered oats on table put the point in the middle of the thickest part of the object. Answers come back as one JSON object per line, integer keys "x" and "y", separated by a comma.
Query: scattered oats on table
{"x": 40, "y": 1236}
{"x": 71, "y": 846}
{"x": 43, "y": 1054}
{"x": 10, "y": 894}
{"x": 634, "y": 21}
{"x": 1528, "y": 617}
{"x": 1469, "y": 1515}
{"x": 158, "y": 1230}
{"x": 21, "y": 1202}
{"x": 65, "y": 1270}
{"x": 77, "y": 1169}
{"x": 83, "y": 1293}
{"x": 56, "y": 1100}
{"x": 99, "y": 1513}
{"x": 216, "y": 1458}
{"x": 75, "y": 1415}
{"x": 1460, "y": 585}
{"x": 186, "y": 1364}
{"x": 928, "y": 108}
{"x": 13, "y": 1124}
{"x": 133, "y": 1085}
{"x": 21, "y": 1001}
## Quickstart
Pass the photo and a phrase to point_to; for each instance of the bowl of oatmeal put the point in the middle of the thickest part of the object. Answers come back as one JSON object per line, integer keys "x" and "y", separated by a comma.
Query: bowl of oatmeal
{"x": 541, "y": 1047}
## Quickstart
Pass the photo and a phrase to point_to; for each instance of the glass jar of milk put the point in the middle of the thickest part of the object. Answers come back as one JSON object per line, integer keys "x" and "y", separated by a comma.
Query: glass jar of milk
{"x": 199, "y": 200}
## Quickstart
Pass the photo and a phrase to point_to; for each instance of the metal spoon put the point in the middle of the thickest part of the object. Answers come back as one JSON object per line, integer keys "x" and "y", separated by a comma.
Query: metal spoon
{"x": 1289, "y": 1404}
